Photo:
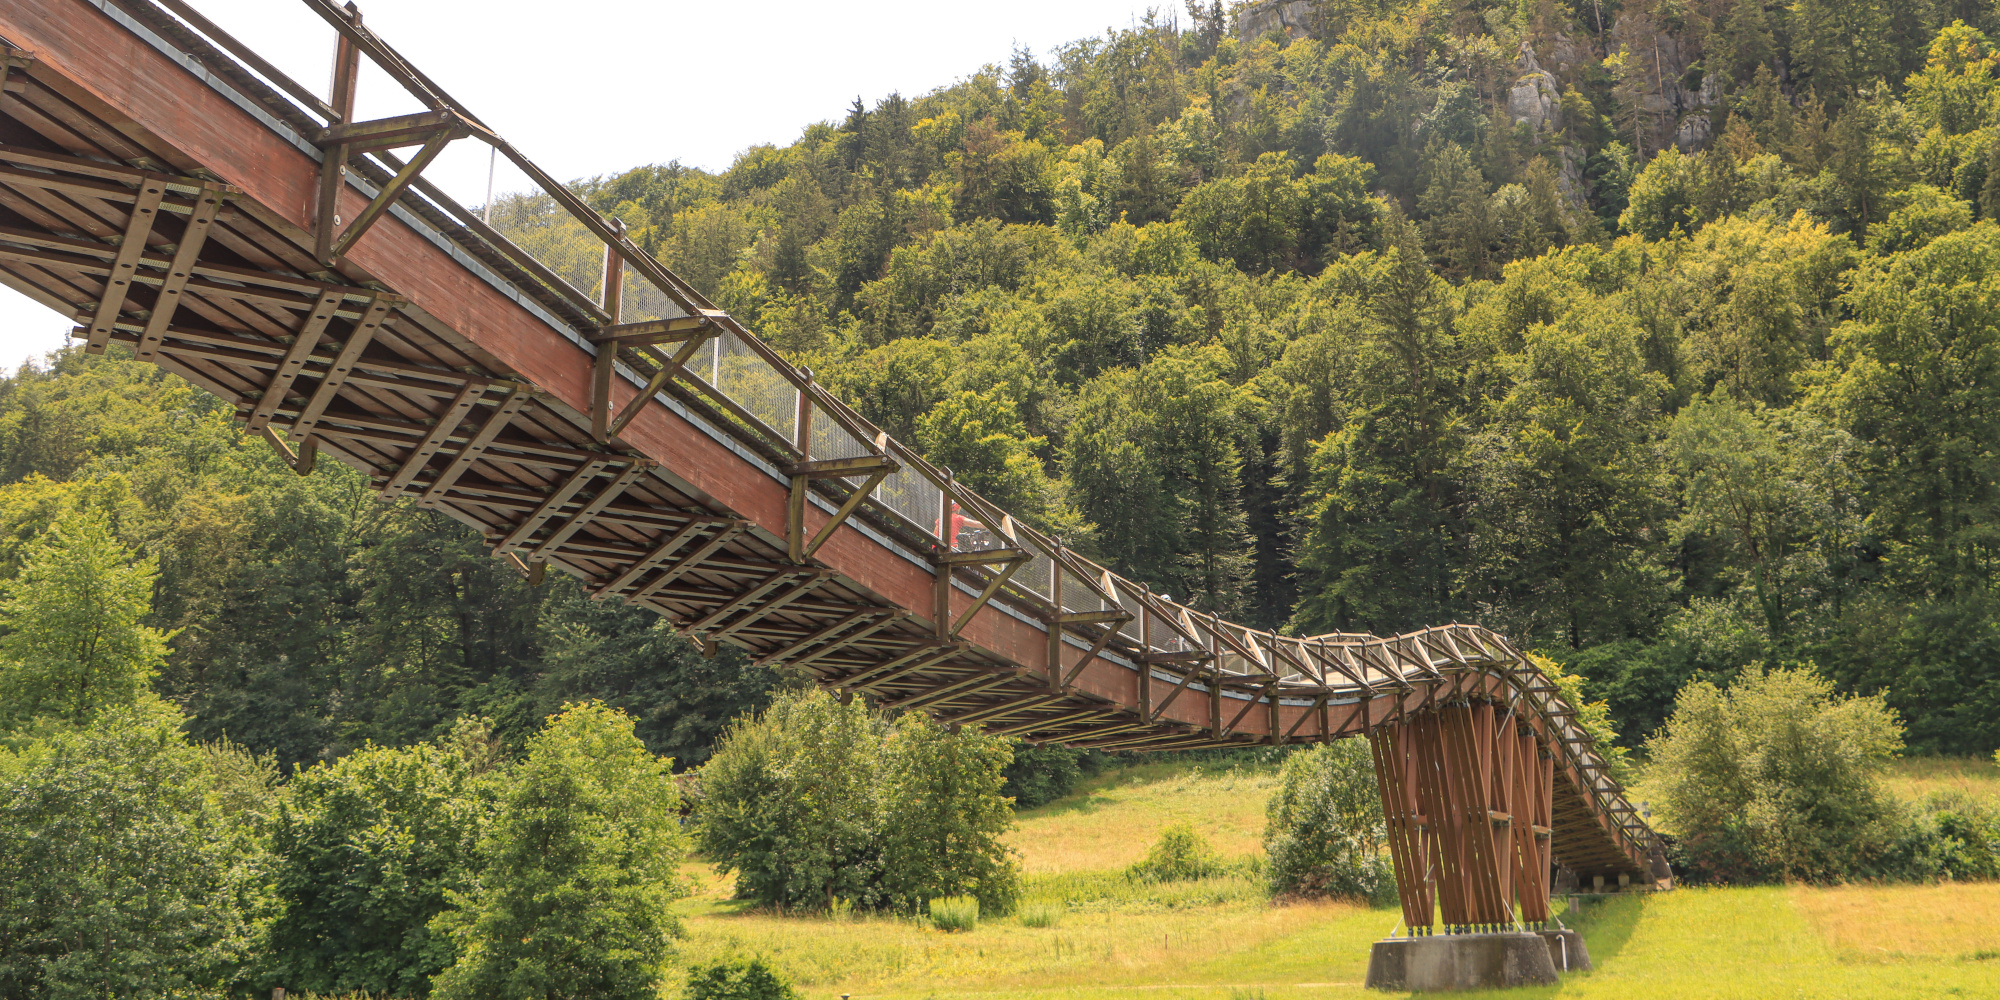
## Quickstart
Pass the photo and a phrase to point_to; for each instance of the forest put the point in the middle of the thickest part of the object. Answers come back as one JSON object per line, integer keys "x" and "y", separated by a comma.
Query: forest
{"x": 1659, "y": 338}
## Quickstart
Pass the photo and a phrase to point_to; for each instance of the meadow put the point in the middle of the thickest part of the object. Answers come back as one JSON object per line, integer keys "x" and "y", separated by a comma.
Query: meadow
{"x": 1223, "y": 938}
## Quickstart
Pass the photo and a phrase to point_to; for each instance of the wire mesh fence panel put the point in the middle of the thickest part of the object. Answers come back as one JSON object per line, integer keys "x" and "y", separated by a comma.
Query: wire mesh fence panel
{"x": 1166, "y": 634}
{"x": 827, "y": 440}
{"x": 1034, "y": 577}
{"x": 913, "y": 498}
{"x": 1128, "y": 598}
{"x": 540, "y": 225}
{"x": 642, "y": 300}
{"x": 1078, "y": 595}
{"x": 764, "y": 392}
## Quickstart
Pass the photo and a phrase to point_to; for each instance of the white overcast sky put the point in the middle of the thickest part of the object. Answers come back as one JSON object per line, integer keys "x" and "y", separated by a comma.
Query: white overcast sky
{"x": 587, "y": 87}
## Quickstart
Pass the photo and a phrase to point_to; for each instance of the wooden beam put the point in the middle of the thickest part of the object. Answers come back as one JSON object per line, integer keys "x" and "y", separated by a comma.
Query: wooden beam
{"x": 775, "y": 604}
{"x": 447, "y": 422}
{"x": 125, "y": 265}
{"x": 1070, "y": 678}
{"x": 778, "y": 655}
{"x": 678, "y": 569}
{"x": 925, "y": 656}
{"x": 502, "y": 416}
{"x": 992, "y": 587}
{"x": 656, "y": 331}
{"x": 831, "y": 646}
{"x": 843, "y": 468}
{"x": 518, "y": 537}
{"x": 198, "y": 224}
{"x": 660, "y": 554}
{"x": 659, "y": 380}
{"x": 294, "y": 361}
{"x": 977, "y": 682}
{"x": 336, "y": 374}
{"x": 390, "y": 192}
{"x": 742, "y": 600}
{"x": 634, "y": 470}
{"x": 840, "y": 516}
{"x": 385, "y": 133}
{"x": 333, "y": 161}
{"x": 1161, "y": 708}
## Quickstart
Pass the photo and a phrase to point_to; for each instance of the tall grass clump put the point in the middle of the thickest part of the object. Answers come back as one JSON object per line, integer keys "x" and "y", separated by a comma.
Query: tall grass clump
{"x": 1180, "y": 855}
{"x": 955, "y": 913}
{"x": 1041, "y": 914}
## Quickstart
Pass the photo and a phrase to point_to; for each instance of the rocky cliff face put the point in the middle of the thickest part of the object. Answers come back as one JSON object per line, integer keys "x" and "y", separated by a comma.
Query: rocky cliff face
{"x": 1293, "y": 17}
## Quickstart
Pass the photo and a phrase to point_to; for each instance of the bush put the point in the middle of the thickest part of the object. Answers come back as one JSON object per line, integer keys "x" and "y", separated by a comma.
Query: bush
{"x": 583, "y": 869}
{"x": 737, "y": 980}
{"x": 367, "y": 851}
{"x": 1180, "y": 855}
{"x": 943, "y": 816}
{"x": 118, "y": 877}
{"x": 1777, "y": 777}
{"x": 790, "y": 803}
{"x": 1948, "y": 836}
{"x": 954, "y": 913}
{"x": 1041, "y": 914}
{"x": 1039, "y": 775}
{"x": 1325, "y": 832}
{"x": 815, "y": 801}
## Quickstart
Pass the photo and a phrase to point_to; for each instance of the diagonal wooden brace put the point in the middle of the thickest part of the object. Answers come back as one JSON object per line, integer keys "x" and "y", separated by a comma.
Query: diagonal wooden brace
{"x": 551, "y": 506}
{"x": 993, "y": 586}
{"x": 839, "y": 517}
{"x": 303, "y": 460}
{"x": 343, "y": 365}
{"x": 440, "y": 432}
{"x": 660, "y": 554}
{"x": 294, "y": 363}
{"x": 389, "y": 193}
{"x": 612, "y": 491}
{"x": 125, "y": 265}
{"x": 689, "y": 562}
{"x": 206, "y": 206}
{"x": 1098, "y": 647}
{"x": 481, "y": 440}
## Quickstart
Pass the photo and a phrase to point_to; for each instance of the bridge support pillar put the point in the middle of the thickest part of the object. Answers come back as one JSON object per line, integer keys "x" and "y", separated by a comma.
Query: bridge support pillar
{"x": 1462, "y": 962}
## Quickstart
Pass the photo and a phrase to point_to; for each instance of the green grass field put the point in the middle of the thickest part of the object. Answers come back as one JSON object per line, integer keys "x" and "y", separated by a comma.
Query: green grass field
{"x": 1222, "y": 938}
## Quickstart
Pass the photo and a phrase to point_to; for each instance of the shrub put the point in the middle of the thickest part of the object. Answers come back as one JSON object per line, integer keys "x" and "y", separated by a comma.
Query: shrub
{"x": 737, "y": 980}
{"x": 943, "y": 816}
{"x": 954, "y": 913}
{"x": 1325, "y": 832}
{"x": 1039, "y": 775}
{"x": 790, "y": 803}
{"x": 1948, "y": 836}
{"x": 1776, "y": 777}
{"x": 366, "y": 852}
{"x": 117, "y": 877}
{"x": 815, "y": 801}
{"x": 582, "y": 872}
{"x": 1041, "y": 914}
{"x": 1180, "y": 855}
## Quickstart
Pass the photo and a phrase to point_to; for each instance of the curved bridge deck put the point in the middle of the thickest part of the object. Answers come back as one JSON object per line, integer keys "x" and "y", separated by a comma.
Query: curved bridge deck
{"x": 171, "y": 194}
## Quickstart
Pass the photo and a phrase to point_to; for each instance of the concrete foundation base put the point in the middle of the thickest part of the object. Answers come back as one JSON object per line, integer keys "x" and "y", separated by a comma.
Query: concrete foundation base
{"x": 1471, "y": 961}
{"x": 1567, "y": 951}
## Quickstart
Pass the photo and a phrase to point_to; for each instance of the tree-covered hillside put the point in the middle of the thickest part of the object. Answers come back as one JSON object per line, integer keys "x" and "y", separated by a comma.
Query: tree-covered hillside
{"x": 1661, "y": 337}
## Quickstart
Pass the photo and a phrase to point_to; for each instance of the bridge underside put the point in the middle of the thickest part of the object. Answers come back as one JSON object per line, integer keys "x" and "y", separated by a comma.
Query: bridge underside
{"x": 176, "y": 204}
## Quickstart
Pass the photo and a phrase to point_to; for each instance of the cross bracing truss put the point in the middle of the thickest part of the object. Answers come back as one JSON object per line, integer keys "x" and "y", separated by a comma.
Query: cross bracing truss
{"x": 175, "y": 195}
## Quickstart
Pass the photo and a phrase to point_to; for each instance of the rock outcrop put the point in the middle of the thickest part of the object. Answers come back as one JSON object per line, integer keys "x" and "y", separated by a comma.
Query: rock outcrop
{"x": 1293, "y": 17}
{"x": 1535, "y": 97}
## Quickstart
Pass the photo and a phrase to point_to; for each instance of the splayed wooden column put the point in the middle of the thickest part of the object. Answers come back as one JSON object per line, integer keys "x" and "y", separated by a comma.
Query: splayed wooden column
{"x": 1466, "y": 798}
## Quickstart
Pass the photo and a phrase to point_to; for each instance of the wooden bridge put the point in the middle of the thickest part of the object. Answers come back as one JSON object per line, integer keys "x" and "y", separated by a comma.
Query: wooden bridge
{"x": 589, "y": 411}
